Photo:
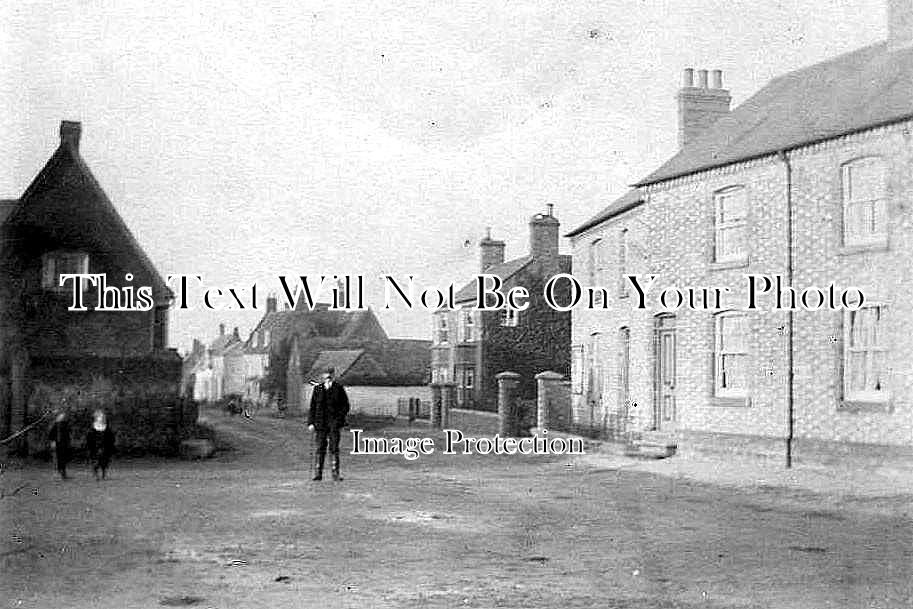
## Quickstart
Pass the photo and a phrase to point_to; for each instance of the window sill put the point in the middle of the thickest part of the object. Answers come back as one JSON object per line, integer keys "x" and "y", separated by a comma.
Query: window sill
{"x": 730, "y": 401}
{"x": 885, "y": 405}
{"x": 729, "y": 264}
{"x": 860, "y": 248}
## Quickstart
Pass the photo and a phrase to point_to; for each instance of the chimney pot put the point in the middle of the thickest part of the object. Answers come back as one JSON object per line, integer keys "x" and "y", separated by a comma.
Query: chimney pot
{"x": 716, "y": 79}
{"x": 491, "y": 252}
{"x": 700, "y": 107}
{"x": 688, "y": 77}
{"x": 221, "y": 329}
{"x": 551, "y": 208}
{"x": 70, "y": 131}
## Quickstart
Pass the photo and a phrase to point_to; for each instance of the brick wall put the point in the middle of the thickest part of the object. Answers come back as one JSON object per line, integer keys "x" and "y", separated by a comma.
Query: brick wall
{"x": 672, "y": 235}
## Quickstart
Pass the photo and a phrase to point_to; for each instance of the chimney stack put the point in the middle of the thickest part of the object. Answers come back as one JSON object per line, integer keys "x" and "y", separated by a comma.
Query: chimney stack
{"x": 543, "y": 240}
{"x": 69, "y": 134}
{"x": 221, "y": 329}
{"x": 271, "y": 303}
{"x": 700, "y": 106}
{"x": 900, "y": 24}
{"x": 491, "y": 252}
{"x": 235, "y": 334}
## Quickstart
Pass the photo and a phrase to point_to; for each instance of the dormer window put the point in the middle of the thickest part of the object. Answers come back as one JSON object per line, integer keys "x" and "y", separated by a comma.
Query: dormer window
{"x": 57, "y": 263}
{"x": 864, "y": 188}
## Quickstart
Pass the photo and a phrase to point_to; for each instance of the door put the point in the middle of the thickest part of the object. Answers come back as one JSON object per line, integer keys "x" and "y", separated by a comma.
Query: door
{"x": 595, "y": 380}
{"x": 664, "y": 404}
{"x": 624, "y": 367}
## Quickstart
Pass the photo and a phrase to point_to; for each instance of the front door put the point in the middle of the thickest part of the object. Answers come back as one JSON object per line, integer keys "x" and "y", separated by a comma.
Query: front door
{"x": 664, "y": 405}
{"x": 624, "y": 381}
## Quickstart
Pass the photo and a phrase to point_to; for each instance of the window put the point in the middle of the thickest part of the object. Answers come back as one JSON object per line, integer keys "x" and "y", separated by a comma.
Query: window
{"x": 864, "y": 202}
{"x": 594, "y": 371}
{"x": 160, "y": 328}
{"x": 510, "y": 317}
{"x": 577, "y": 369}
{"x": 731, "y": 373}
{"x": 443, "y": 332}
{"x": 266, "y": 337}
{"x": 469, "y": 378}
{"x": 55, "y": 264}
{"x": 730, "y": 225}
{"x": 467, "y": 327}
{"x": 593, "y": 260}
{"x": 440, "y": 374}
{"x": 623, "y": 263}
{"x": 865, "y": 355}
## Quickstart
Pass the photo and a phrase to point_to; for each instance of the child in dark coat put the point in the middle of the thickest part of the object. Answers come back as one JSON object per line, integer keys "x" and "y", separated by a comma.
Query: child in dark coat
{"x": 100, "y": 441}
{"x": 59, "y": 437}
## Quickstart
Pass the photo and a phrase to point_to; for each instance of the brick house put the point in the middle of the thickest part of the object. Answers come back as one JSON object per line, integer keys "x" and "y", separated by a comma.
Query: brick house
{"x": 51, "y": 357}
{"x": 469, "y": 347}
{"x": 810, "y": 179}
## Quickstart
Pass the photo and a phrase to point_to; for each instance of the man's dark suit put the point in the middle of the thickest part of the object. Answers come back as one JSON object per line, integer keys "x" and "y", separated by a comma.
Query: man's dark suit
{"x": 328, "y": 412}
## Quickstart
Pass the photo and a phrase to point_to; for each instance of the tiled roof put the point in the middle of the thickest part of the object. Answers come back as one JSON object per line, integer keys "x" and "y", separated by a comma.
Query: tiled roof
{"x": 406, "y": 361}
{"x": 340, "y": 360}
{"x": 629, "y": 200}
{"x": 321, "y": 322}
{"x": 866, "y": 88}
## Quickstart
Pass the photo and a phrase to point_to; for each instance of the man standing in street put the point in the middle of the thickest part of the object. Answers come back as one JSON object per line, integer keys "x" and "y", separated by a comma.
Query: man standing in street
{"x": 327, "y": 416}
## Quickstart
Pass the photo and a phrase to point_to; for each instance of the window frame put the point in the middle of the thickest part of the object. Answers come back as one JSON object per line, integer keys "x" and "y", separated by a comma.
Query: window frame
{"x": 467, "y": 326}
{"x": 50, "y": 276}
{"x": 864, "y": 396}
{"x": 510, "y": 317}
{"x": 720, "y": 351}
{"x": 442, "y": 330}
{"x": 720, "y": 225}
{"x": 854, "y": 238}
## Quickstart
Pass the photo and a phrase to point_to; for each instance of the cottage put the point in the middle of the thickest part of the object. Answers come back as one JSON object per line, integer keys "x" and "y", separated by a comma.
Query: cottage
{"x": 53, "y": 357}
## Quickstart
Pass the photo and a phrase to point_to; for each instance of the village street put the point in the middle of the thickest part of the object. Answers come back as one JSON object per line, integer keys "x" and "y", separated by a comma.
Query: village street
{"x": 249, "y": 529}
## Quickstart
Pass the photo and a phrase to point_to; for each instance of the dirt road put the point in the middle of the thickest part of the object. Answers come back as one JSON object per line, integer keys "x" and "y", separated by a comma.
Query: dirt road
{"x": 249, "y": 529}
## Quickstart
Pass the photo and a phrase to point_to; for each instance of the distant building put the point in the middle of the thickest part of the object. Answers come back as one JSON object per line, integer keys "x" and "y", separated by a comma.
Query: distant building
{"x": 51, "y": 357}
{"x": 811, "y": 180}
{"x": 469, "y": 347}
{"x": 282, "y": 351}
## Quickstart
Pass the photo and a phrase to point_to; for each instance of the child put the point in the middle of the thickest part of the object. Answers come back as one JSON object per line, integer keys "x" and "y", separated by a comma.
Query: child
{"x": 100, "y": 440}
{"x": 59, "y": 436}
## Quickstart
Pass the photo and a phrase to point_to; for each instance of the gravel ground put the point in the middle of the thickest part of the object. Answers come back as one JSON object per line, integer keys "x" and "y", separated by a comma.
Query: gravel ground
{"x": 249, "y": 529}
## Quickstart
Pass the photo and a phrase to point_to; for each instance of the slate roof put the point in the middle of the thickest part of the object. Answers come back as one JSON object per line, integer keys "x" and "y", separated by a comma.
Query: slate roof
{"x": 505, "y": 270}
{"x": 223, "y": 342}
{"x": 859, "y": 90}
{"x": 631, "y": 199}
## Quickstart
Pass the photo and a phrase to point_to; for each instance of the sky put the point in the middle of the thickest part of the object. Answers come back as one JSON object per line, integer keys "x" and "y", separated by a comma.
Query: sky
{"x": 241, "y": 141}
